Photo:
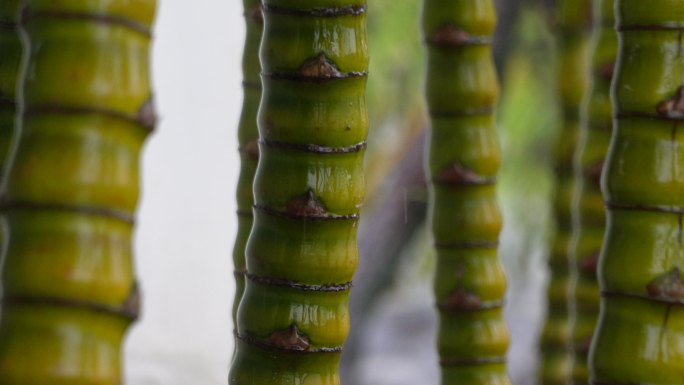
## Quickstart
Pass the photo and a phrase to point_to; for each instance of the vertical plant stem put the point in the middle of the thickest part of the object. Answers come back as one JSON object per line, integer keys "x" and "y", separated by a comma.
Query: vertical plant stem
{"x": 248, "y": 139}
{"x": 640, "y": 332}
{"x": 68, "y": 280}
{"x": 590, "y": 157}
{"x": 301, "y": 253}
{"x": 10, "y": 47}
{"x": 464, "y": 159}
{"x": 572, "y": 22}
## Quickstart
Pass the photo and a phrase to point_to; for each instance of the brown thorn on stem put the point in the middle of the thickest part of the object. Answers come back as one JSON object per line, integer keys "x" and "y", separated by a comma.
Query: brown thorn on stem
{"x": 672, "y": 107}
{"x": 593, "y": 172}
{"x": 607, "y": 71}
{"x": 147, "y": 115}
{"x": 589, "y": 264}
{"x": 461, "y": 300}
{"x": 131, "y": 305}
{"x": 457, "y": 174}
{"x": 251, "y": 148}
{"x": 449, "y": 35}
{"x": 306, "y": 205}
{"x": 257, "y": 14}
{"x": 319, "y": 67}
{"x": 668, "y": 286}
{"x": 289, "y": 339}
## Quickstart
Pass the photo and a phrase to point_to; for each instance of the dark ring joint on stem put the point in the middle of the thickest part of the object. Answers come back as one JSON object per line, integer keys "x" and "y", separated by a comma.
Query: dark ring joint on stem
{"x": 146, "y": 117}
{"x": 489, "y": 305}
{"x": 8, "y": 26}
{"x": 457, "y": 362}
{"x": 637, "y": 207}
{"x": 27, "y": 15}
{"x": 306, "y": 217}
{"x": 470, "y": 41}
{"x": 279, "y": 282}
{"x": 7, "y": 103}
{"x": 487, "y": 111}
{"x": 644, "y": 297}
{"x": 79, "y": 209}
{"x": 466, "y": 245}
{"x": 646, "y": 115}
{"x": 614, "y": 383}
{"x": 240, "y": 273}
{"x": 352, "y": 10}
{"x": 128, "y": 310}
{"x": 296, "y": 76}
{"x": 650, "y": 27}
{"x": 314, "y": 148}
{"x": 478, "y": 181}
{"x": 253, "y": 341}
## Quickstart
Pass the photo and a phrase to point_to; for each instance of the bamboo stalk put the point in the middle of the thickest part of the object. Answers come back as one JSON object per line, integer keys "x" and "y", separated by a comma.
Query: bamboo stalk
{"x": 10, "y": 47}
{"x": 572, "y": 20}
{"x": 640, "y": 332}
{"x": 69, "y": 288}
{"x": 464, "y": 158}
{"x": 301, "y": 254}
{"x": 591, "y": 152}
{"x": 248, "y": 138}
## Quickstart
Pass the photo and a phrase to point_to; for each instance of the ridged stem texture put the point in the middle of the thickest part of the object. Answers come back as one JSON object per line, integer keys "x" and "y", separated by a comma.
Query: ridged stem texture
{"x": 72, "y": 190}
{"x": 640, "y": 333}
{"x": 308, "y": 190}
{"x": 10, "y": 47}
{"x": 571, "y": 22}
{"x": 248, "y": 139}
{"x": 588, "y": 204}
{"x": 464, "y": 159}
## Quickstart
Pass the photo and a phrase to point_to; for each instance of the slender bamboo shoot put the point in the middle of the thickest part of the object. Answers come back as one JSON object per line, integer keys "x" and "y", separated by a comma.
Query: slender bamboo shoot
{"x": 301, "y": 253}
{"x": 464, "y": 159}
{"x": 640, "y": 333}
{"x": 572, "y": 24}
{"x": 591, "y": 153}
{"x": 68, "y": 280}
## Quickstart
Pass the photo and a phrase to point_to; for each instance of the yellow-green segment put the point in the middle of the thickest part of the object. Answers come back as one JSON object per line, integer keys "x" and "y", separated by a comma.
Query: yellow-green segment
{"x": 640, "y": 332}
{"x": 69, "y": 291}
{"x": 464, "y": 158}
{"x": 571, "y": 21}
{"x": 588, "y": 204}
{"x": 301, "y": 254}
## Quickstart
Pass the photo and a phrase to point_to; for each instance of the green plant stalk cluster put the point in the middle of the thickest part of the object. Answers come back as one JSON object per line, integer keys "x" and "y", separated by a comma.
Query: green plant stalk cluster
{"x": 248, "y": 139}
{"x": 10, "y": 47}
{"x": 72, "y": 190}
{"x": 591, "y": 152}
{"x": 301, "y": 254}
{"x": 464, "y": 158}
{"x": 572, "y": 21}
{"x": 640, "y": 332}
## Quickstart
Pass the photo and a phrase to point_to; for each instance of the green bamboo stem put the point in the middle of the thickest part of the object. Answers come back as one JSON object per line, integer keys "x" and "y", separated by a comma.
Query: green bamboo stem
{"x": 591, "y": 152}
{"x": 640, "y": 332}
{"x": 248, "y": 139}
{"x": 10, "y": 47}
{"x": 572, "y": 22}
{"x": 464, "y": 159}
{"x": 301, "y": 254}
{"x": 68, "y": 280}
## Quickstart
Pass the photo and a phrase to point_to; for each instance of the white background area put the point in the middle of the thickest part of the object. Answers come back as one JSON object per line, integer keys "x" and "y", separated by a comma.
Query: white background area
{"x": 186, "y": 218}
